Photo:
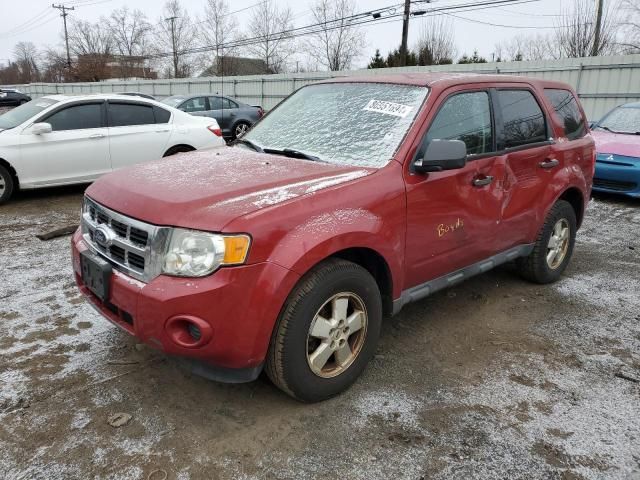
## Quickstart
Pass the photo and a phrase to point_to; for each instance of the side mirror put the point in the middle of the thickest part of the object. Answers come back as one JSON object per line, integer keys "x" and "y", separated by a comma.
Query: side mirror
{"x": 41, "y": 128}
{"x": 442, "y": 155}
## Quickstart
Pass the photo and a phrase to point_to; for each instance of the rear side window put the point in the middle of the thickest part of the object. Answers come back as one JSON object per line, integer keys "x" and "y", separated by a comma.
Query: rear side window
{"x": 162, "y": 115}
{"x": 566, "y": 106}
{"x": 124, "y": 114}
{"x": 466, "y": 117}
{"x": 76, "y": 117}
{"x": 215, "y": 103}
{"x": 229, "y": 103}
{"x": 197, "y": 104}
{"x": 523, "y": 119}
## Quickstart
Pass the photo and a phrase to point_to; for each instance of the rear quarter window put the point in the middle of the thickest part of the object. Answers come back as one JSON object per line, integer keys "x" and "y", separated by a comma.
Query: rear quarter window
{"x": 566, "y": 106}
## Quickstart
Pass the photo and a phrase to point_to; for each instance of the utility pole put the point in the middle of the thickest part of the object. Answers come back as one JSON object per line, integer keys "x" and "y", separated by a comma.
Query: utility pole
{"x": 595, "y": 49}
{"x": 64, "y": 14}
{"x": 405, "y": 33}
{"x": 173, "y": 42}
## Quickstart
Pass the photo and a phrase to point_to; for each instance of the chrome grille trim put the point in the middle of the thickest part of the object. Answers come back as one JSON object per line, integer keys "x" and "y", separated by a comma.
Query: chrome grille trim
{"x": 94, "y": 215}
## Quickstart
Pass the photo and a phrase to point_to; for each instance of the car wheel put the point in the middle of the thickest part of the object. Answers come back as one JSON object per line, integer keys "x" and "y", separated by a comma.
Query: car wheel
{"x": 240, "y": 129}
{"x": 554, "y": 246}
{"x": 7, "y": 184}
{"x": 327, "y": 332}
{"x": 178, "y": 149}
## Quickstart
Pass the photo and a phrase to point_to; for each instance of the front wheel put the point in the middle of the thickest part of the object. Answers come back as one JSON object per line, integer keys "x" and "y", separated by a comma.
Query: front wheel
{"x": 554, "y": 246}
{"x": 327, "y": 332}
{"x": 7, "y": 184}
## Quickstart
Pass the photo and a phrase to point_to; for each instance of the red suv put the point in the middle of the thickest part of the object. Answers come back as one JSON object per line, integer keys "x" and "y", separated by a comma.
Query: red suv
{"x": 349, "y": 200}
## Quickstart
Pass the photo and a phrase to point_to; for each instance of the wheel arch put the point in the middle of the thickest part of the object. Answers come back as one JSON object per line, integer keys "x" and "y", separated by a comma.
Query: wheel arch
{"x": 12, "y": 171}
{"x": 376, "y": 265}
{"x": 575, "y": 198}
{"x": 176, "y": 147}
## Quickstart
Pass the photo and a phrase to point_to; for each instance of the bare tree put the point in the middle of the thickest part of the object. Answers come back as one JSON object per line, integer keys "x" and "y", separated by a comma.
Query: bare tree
{"x": 218, "y": 29}
{"x": 631, "y": 26}
{"x": 338, "y": 42}
{"x": 527, "y": 47}
{"x": 92, "y": 44}
{"x": 55, "y": 66}
{"x": 436, "y": 43}
{"x": 25, "y": 55}
{"x": 267, "y": 29}
{"x": 575, "y": 31}
{"x": 130, "y": 32}
{"x": 176, "y": 35}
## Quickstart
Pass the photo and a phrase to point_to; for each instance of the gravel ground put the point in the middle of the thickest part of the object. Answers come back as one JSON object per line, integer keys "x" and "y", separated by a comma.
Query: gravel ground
{"x": 496, "y": 378}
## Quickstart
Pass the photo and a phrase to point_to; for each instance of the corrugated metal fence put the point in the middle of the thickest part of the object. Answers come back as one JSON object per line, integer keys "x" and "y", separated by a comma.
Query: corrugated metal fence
{"x": 602, "y": 82}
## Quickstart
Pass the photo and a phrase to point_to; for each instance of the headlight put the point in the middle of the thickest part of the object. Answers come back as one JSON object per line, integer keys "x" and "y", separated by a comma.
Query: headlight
{"x": 191, "y": 253}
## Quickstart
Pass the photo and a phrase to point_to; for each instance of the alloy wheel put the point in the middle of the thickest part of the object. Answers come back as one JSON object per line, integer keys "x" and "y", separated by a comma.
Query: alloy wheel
{"x": 558, "y": 244}
{"x": 336, "y": 335}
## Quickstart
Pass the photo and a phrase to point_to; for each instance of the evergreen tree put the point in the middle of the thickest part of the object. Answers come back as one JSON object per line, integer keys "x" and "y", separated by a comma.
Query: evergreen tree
{"x": 377, "y": 61}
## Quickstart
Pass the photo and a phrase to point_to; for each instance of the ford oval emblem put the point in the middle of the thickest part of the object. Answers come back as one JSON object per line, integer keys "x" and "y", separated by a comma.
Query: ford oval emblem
{"x": 102, "y": 236}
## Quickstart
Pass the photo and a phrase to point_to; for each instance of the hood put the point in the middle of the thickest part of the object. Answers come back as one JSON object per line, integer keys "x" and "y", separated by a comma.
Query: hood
{"x": 206, "y": 190}
{"x": 617, "y": 143}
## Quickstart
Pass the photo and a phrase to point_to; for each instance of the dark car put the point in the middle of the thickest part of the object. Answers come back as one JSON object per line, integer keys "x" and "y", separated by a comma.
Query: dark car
{"x": 10, "y": 97}
{"x": 233, "y": 116}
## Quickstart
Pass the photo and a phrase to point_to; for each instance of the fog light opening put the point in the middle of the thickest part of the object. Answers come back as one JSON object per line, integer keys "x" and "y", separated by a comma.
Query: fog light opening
{"x": 189, "y": 332}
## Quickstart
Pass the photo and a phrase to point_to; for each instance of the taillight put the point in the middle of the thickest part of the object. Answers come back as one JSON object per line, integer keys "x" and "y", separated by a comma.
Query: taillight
{"x": 260, "y": 112}
{"x": 215, "y": 130}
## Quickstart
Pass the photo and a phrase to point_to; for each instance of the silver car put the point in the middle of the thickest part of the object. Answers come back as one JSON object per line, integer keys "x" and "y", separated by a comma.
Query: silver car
{"x": 233, "y": 116}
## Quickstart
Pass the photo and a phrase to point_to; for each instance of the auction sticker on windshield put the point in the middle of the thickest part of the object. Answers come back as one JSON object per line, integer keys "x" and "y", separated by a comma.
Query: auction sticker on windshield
{"x": 389, "y": 108}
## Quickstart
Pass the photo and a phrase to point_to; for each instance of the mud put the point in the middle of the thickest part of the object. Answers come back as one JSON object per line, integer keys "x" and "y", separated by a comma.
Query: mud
{"x": 496, "y": 378}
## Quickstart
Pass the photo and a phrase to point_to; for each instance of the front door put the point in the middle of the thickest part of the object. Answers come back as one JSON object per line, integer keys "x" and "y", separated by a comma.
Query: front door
{"x": 76, "y": 151}
{"x": 452, "y": 215}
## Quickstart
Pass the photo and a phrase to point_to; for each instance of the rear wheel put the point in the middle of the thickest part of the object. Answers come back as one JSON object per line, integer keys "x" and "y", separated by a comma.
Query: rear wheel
{"x": 327, "y": 332}
{"x": 7, "y": 184}
{"x": 178, "y": 149}
{"x": 554, "y": 246}
{"x": 240, "y": 129}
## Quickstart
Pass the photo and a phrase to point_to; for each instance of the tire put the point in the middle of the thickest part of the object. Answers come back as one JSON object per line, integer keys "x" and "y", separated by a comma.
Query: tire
{"x": 325, "y": 287}
{"x": 537, "y": 267}
{"x": 7, "y": 185}
{"x": 178, "y": 149}
{"x": 239, "y": 129}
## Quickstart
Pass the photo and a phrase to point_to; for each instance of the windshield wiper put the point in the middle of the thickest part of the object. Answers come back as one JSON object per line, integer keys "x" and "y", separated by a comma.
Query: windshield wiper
{"x": 291, "y": 153}
{"x": 250, "y": 144}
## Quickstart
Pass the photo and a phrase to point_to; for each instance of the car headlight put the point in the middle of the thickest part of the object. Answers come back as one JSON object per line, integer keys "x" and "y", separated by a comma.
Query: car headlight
{"x": 192, "y": 253}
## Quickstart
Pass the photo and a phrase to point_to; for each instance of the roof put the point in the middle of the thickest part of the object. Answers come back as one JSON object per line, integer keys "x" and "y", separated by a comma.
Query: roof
{"x": 443, "y": 80}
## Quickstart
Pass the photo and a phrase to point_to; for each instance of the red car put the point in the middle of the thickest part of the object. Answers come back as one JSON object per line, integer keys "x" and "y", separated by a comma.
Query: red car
{"x": 349, "y": 200}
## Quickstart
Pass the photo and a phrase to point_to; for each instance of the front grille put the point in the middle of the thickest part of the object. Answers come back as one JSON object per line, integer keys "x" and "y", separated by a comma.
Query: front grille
{"x": 127, "y": 244}
{"x": 618, "y": 186}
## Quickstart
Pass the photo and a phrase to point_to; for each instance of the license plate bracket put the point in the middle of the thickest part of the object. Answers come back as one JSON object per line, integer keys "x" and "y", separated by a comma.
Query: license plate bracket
{"x": 96, "y": 274}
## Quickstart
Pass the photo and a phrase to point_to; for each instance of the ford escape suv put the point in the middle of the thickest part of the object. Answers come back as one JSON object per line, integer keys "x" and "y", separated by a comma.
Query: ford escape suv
{"x": 349, "y": 200}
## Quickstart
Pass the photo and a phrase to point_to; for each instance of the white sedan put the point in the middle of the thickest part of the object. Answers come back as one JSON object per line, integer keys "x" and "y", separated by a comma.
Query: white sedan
{"x": 62, "y": 140}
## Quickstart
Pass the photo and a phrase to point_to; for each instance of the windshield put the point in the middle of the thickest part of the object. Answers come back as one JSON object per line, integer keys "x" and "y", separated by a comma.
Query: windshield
{"x": 358, "y": 124}
{"x": 173, "y": 101}
{"x": 21, "y": 114}
{"x": 622, "y": 120}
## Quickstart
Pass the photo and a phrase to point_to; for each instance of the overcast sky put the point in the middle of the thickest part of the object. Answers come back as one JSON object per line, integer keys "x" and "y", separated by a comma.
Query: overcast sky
{"x": 538, "y": 16}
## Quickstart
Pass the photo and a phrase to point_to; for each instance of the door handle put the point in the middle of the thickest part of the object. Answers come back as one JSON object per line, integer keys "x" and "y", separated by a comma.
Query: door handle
{"x": 549, "y": 163}
{"x": 162, "y": 131}
{"x": 482, "y": 181}
{"x": 96, "y": 136}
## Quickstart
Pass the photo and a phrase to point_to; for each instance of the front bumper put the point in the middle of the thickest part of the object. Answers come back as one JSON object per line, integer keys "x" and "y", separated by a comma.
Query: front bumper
{"x": 620, "y": 177}
{"x": 236, "y": 307}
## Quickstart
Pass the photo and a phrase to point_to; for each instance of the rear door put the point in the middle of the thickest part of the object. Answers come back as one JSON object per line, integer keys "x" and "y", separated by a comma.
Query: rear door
{"x": 134, "y": 135}
{"x": 529, "y": 160}
{"x": 77, "y": 150}
{"x": 452, "y": 215}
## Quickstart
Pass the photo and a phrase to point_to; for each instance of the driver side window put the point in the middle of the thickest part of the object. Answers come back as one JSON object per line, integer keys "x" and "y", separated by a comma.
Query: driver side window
{"x": 466, "y": 117}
